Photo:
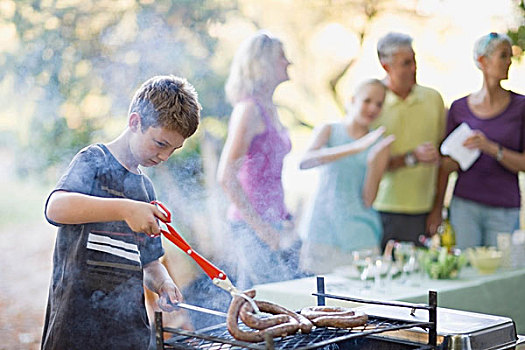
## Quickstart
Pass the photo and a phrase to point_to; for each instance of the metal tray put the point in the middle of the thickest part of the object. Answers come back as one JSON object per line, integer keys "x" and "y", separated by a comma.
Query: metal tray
{"x": 456, "y": 330}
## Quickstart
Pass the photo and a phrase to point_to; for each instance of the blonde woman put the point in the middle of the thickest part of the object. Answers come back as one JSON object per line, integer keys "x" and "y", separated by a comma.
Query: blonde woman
{"x": 252, "y": 159}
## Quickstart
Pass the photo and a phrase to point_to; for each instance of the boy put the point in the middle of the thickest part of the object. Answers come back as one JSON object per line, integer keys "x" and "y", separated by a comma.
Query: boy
{"x": 104, "y": 252}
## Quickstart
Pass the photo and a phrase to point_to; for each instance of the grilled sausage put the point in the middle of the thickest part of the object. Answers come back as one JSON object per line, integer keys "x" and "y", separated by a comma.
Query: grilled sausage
{"x": 318, "y": 311}
{"x": 280, "y": 330}
{"x": 334, "y": 316}
{"x": 356, "y": 320}
{"x": 256, "y": 322}
{"x": 249, "y": 318}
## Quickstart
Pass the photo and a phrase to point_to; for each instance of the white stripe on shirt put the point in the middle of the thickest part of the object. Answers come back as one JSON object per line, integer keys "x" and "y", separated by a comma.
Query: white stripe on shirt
{"x": 114, "y": 251}
{"x": 113, "y": 246}
{"x": 114, "y": 242}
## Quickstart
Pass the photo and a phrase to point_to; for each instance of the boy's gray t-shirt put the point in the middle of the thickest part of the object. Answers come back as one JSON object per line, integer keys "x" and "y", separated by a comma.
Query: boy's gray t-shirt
{"x": 96, "y": 297}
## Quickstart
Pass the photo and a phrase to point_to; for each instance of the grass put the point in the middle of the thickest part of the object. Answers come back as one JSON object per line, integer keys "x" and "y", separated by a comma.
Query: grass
{"x": 21, "y": 201}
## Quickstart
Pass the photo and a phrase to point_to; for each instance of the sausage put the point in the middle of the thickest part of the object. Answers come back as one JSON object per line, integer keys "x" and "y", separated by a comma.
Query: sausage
{"x": 304, "y": 323}
{"x": 358, "y": 319}
{"x": 248, "y": 317}
{"x": 334, "y": 316}
{"x": 233, "y": 312}
{"x": 318, "y": 311}
{"x": 280, "y": 330}
{"x": 256, "y": 322}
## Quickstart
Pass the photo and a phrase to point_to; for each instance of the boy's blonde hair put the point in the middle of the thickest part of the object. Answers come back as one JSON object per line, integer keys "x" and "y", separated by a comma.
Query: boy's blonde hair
{"x": 252, "y": 66}
{"x": 169, "y": 102}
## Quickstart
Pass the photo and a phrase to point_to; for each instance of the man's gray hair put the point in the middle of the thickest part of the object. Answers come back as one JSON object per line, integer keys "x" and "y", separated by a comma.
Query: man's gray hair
{"x": 388, "y": 45}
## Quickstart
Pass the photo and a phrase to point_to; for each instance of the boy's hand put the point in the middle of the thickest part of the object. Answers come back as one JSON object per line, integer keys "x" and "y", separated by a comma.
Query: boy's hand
{"x": 143, "y": 217}
{"x": 169, "y": 296}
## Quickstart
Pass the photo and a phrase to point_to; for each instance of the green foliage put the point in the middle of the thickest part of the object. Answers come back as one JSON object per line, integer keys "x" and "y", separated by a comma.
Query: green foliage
{"x": 518, "y": 35}
{"x": 81, "y": 61}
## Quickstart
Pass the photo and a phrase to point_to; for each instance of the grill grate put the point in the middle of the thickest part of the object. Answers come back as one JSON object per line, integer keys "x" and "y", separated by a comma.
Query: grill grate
{"x": 218, "y": 337}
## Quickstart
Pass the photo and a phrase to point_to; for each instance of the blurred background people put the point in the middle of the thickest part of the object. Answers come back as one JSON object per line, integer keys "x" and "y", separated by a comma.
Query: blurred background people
{"x": 415, "y": 115}
{"x": 251, "y": 164}
{"x": 340, "y": 219}
{"x": 486, "y": 197}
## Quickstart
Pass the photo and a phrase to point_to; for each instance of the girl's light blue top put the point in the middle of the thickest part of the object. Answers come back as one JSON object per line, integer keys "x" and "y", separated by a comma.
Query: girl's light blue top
{"x": 337, "y": 215}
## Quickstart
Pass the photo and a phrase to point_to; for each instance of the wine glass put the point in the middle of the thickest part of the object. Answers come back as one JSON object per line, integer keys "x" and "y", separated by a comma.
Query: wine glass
{"x": 379, "y": 267}
{"x": 362, "y": 261}
{"x": 420, "y": 263}
{"x": 404, "y": 255}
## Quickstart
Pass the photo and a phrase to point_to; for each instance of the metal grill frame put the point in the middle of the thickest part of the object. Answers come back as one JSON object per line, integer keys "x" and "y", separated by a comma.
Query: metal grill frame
{"x": 205, "y": 339}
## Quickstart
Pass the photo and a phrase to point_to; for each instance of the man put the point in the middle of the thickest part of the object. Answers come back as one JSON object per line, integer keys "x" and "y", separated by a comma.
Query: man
{"x": 416, "y": 116}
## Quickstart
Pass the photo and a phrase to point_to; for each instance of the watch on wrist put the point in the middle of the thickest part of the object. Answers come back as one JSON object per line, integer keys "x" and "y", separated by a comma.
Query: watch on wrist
{"x": 410, "y": 159}
{"x": 499, "y": 154}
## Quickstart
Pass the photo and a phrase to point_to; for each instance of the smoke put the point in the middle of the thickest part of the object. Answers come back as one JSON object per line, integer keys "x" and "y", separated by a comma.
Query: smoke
{"x": 79, "y": 87}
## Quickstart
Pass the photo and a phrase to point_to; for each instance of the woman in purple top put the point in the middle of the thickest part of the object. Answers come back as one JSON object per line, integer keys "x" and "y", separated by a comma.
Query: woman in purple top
{"x": 486, "y": 196}
{"x": 252, "y": 160}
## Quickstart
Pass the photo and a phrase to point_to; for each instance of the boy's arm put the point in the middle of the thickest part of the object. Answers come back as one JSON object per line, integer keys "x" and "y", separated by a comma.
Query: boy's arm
{"x": 76, "y": 208}
{"x": 157, "y": 279}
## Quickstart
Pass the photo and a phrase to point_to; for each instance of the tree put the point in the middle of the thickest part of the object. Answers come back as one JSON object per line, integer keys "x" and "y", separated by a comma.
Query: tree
{"x": 518, "y": 35}
{"x": 78, "y": 63}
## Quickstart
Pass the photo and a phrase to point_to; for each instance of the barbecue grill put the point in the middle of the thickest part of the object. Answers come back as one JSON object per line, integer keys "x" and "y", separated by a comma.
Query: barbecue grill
{"x": 390, "y": 329}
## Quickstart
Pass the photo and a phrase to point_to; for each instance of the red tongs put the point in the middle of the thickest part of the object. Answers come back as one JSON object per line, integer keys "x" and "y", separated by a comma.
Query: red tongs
{"x": 218, "y": 276}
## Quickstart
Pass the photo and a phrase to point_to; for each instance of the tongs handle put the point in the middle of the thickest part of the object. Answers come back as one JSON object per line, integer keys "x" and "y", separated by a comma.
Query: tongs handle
{"x": 211, "y": 270}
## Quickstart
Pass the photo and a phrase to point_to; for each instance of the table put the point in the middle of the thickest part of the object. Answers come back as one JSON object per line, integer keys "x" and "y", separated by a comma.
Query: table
{"x": 502, "y": 293}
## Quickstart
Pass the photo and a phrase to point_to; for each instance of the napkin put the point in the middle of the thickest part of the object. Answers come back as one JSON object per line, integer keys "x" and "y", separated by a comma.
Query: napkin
{"x": 453, "y": 147}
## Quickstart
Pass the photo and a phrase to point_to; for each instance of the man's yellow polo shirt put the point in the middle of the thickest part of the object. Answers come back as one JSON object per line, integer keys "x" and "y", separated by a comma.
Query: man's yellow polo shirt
{"x": 417, "y": 119}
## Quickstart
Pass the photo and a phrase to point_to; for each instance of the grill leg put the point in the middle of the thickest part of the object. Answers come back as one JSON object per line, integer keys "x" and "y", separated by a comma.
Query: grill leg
{"x": 432, "y": 317}
{"x": 159, "y": 332}
{"x": 321, "y": 300}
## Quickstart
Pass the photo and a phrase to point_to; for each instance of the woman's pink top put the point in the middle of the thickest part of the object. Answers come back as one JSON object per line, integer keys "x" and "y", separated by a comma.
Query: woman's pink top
{"x": 260, "y": 173}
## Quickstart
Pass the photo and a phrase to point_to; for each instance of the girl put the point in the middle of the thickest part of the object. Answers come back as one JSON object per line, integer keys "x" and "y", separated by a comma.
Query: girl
{"x": 352, "y": 161}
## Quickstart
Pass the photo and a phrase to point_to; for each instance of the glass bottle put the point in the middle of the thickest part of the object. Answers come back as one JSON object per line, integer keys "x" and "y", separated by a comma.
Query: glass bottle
{"x": 446, "y": 232}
